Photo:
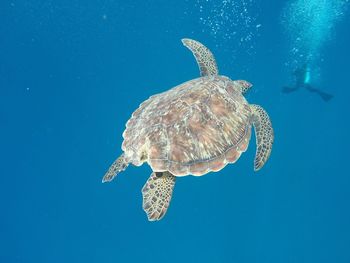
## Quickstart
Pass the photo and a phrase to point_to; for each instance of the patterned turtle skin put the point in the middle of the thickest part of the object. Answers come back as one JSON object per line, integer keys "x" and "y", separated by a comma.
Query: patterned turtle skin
{"x": 195, "y": 128}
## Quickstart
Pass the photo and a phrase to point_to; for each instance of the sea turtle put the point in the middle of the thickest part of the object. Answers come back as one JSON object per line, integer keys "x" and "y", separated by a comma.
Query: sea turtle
{"x": 192, "y": 129}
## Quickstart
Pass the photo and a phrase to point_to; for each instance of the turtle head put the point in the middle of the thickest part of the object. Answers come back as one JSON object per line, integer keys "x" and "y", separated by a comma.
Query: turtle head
{"x": 242, "y": 85}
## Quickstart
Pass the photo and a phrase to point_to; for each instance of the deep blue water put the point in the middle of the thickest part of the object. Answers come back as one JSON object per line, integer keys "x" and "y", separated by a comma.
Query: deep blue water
{"x": 71, "y": 74}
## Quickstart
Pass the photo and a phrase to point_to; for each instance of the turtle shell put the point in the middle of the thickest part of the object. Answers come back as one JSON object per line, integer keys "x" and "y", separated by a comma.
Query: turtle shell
{"x": 194, "y": 128}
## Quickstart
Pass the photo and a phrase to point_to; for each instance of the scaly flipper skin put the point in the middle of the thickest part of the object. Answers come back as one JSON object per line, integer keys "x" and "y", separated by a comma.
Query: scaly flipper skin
{"x": 118, "y": 166}
{"x": 157, "y": 194}
{"x": 205, "y": 59}
{"x": 264, "y": 135}
{"x": 244, "y": 85}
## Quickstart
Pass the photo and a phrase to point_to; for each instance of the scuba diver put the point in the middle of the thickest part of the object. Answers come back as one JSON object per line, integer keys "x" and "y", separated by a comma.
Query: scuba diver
{"x": 302, "y": 80}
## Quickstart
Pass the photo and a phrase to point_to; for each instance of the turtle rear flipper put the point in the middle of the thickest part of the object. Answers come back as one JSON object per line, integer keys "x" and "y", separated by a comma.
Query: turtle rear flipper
{"x": 264, "y": 135}
{"x": 117, "y": 166}
{"x": 157, "y": 194}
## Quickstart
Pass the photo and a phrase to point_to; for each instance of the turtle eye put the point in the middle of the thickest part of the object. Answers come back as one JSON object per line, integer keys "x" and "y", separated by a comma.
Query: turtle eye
{"x": 159, "y": 174}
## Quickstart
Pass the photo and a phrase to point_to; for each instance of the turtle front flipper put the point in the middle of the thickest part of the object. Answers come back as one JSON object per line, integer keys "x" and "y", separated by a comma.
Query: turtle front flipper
{"x": 157, "y": 194}
{"x": 117, "y": 166}
{"x": 204, "y": 57}
{"x": 264, "y": 135}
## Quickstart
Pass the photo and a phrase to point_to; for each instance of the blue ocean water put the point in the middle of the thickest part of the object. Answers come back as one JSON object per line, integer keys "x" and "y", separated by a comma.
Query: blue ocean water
{"x": 71, "y": 74}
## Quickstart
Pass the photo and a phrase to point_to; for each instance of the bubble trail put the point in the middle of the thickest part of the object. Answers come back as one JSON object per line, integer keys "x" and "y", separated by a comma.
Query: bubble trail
{"x": 230, "y": 23}
{"x": 309, "y": 25}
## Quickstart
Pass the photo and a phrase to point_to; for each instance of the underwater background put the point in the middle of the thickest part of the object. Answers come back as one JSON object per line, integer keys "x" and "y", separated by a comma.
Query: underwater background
{"x": 71, "y": 74}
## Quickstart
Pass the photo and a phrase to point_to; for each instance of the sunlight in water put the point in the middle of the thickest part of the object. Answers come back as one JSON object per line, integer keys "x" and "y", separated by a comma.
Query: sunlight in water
{"x": 309, "y": 24}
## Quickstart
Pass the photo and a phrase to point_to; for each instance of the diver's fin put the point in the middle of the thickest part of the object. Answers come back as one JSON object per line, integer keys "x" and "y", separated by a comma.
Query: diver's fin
{"x": 287, "y": 90}
{"x": 325, "y": 96}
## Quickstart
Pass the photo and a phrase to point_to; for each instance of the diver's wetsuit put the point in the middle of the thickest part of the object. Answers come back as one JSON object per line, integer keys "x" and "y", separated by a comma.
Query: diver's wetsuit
{"x": 301, "y": 81}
